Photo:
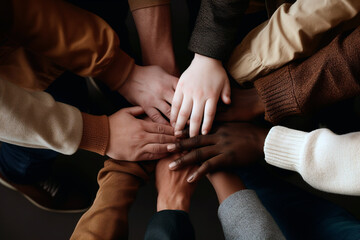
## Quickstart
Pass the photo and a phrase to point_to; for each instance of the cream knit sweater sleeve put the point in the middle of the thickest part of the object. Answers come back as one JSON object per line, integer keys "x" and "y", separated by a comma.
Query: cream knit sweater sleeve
{"x": 326, "y": 161}
{"x": 34, "y": 119}
{"x": 293, "y": 31}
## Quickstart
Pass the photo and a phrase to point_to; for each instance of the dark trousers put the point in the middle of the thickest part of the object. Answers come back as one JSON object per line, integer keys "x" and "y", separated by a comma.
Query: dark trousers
{"x": 299, "y": 214}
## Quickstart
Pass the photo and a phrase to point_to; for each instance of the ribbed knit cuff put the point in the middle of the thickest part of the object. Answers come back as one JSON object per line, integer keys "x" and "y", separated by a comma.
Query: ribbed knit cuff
{"x": 96, "y": 133}
{"x": 117, "y": 71}
{"x": 283, "y": 147}
{"x": 139, "y": 4}
{"x": 277, "y": 93}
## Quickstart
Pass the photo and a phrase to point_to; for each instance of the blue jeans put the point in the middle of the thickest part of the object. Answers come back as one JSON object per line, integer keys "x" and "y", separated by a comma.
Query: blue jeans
{"x": 299, "y": 214}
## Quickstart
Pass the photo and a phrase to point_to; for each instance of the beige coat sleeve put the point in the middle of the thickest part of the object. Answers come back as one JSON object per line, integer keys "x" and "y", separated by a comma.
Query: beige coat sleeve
{"x": 34, "y": 119}
{"x": 292, "y": 32}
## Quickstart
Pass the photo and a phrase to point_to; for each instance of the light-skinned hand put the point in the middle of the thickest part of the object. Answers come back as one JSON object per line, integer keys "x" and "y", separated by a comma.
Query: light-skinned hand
{"x": 134, "y": 139}
{"x": 174, "y": 192}
{"x": 231, "y": 144}
{"x": 151, "y": 88}
{"x": 197, "y": 95}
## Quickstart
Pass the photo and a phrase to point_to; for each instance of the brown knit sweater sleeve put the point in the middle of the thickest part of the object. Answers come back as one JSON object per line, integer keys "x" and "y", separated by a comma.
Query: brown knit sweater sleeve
{"x": 330, "y": 75}
{"x": 96, "y": 133}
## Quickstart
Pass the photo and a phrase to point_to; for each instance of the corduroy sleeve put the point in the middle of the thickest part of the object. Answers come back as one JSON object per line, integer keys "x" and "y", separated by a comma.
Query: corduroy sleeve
{"x": 216, "y": 26}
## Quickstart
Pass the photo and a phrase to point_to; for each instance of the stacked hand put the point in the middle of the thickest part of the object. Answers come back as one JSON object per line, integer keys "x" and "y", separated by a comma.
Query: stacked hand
{"x": 174, "y": 192}
{"x": 197, "y": 95}
{"x": 151, "y": 88}
{"x": 136, "y": 139}
{"x": 231, "y": 144}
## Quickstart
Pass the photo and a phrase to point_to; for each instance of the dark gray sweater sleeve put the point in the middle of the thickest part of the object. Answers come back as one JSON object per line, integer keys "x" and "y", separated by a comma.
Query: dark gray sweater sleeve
{"x": 242, "y": 216}
{"x": 216, "y": 27}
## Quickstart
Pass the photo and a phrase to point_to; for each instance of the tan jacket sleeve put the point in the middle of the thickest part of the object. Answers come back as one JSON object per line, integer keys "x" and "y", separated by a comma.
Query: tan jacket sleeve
{"x": 70, "y": 37}
{"x": 138, "y": 4}
{"x": 292, "y": 32}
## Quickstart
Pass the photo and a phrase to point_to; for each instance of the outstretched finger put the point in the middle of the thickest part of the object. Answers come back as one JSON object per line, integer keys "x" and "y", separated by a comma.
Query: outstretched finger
{"x": 152, "y": 127}
{"x": 175, "y": 107}
{"x": 196, "y": 118}
{"x": 190, "y": 143}
{"x": 159, "y": 138}
{"x": 195, "y": 156}
{"x": 156, "y": 116}
{"x": 184, "y": 113}
{"x": 209, "y": 115}
{"x": 205, "y": 168}
{"x": 164, "y": 108}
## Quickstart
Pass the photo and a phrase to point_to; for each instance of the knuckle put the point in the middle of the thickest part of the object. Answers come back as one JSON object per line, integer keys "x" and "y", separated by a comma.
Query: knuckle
{"x": 160, "y": 129}
{"x": 183, "y": 114}
{"x": 206, "y": 166}
{"x": 198, "y": 155}
{"x": 195, "y": 140}
{"x": 210, "y": 113}
{"x": 155, "y": 149}
{"x": 196, "y": 119}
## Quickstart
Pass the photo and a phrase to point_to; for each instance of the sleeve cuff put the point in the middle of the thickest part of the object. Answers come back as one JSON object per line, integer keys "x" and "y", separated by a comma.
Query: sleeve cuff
{"x": 277, "y": 93}
{"x": 118, "y": 71}
{"x": 283, "y": 147}
{"x": 96, "y": 133}
{"x": 139, "y": 4}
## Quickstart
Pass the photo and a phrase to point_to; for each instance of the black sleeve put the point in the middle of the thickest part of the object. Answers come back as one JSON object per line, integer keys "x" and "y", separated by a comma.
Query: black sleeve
{"x": 216, "y": 27}
{"x": 170, "y": 225}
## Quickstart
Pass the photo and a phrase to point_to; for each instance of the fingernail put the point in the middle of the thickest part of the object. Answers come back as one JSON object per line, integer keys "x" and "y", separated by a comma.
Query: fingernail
{"x": 178, "y": 133}
{"x": 191, "y": 178}
{"x": 171, "y": 147}
{"x": 173, "y": 165}
{"x": 173, "y": 124}
{"x": 204, "y": 132}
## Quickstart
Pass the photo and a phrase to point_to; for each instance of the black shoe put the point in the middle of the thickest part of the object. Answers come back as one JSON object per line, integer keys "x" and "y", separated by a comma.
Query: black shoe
{"x": 54, "y": 194}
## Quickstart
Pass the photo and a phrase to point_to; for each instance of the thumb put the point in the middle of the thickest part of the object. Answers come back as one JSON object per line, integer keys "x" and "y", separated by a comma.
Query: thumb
{"x": 226, "y": 92}
{"x": 135, "y": 111}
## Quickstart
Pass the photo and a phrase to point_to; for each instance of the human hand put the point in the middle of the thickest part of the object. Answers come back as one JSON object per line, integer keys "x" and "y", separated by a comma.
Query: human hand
{"x": 135, "y": 139}
{"x": 232, "y": 144}
{"x": 197, "y": 93}
{"x": 151, "y": 88}
{"x": 245, "y": 106}
{"x": 174, "y": 192}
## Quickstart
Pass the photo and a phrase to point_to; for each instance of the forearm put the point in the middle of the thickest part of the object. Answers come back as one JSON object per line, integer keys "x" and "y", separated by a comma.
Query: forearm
{"x": 71, "y": 37}
{"x": 292, "y": 32}
{"x": 154, "y": 28}
{"x": 325, "y": 160}
{"x": 216, "y": 27}
{"x": 303, "y": 87}
{"x": 242, "y": 216}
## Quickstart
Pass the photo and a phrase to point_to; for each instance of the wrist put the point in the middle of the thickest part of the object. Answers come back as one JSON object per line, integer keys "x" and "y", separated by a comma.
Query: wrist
{"x": 96, "y": 133}
{"x": 124, "y": 89}
{"x": 198, "y": 58}
{"x": 173, "y": 202}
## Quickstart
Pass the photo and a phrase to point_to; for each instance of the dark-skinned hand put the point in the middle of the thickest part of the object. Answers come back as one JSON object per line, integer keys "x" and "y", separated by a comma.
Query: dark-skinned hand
{"x": 231, "y": 144}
